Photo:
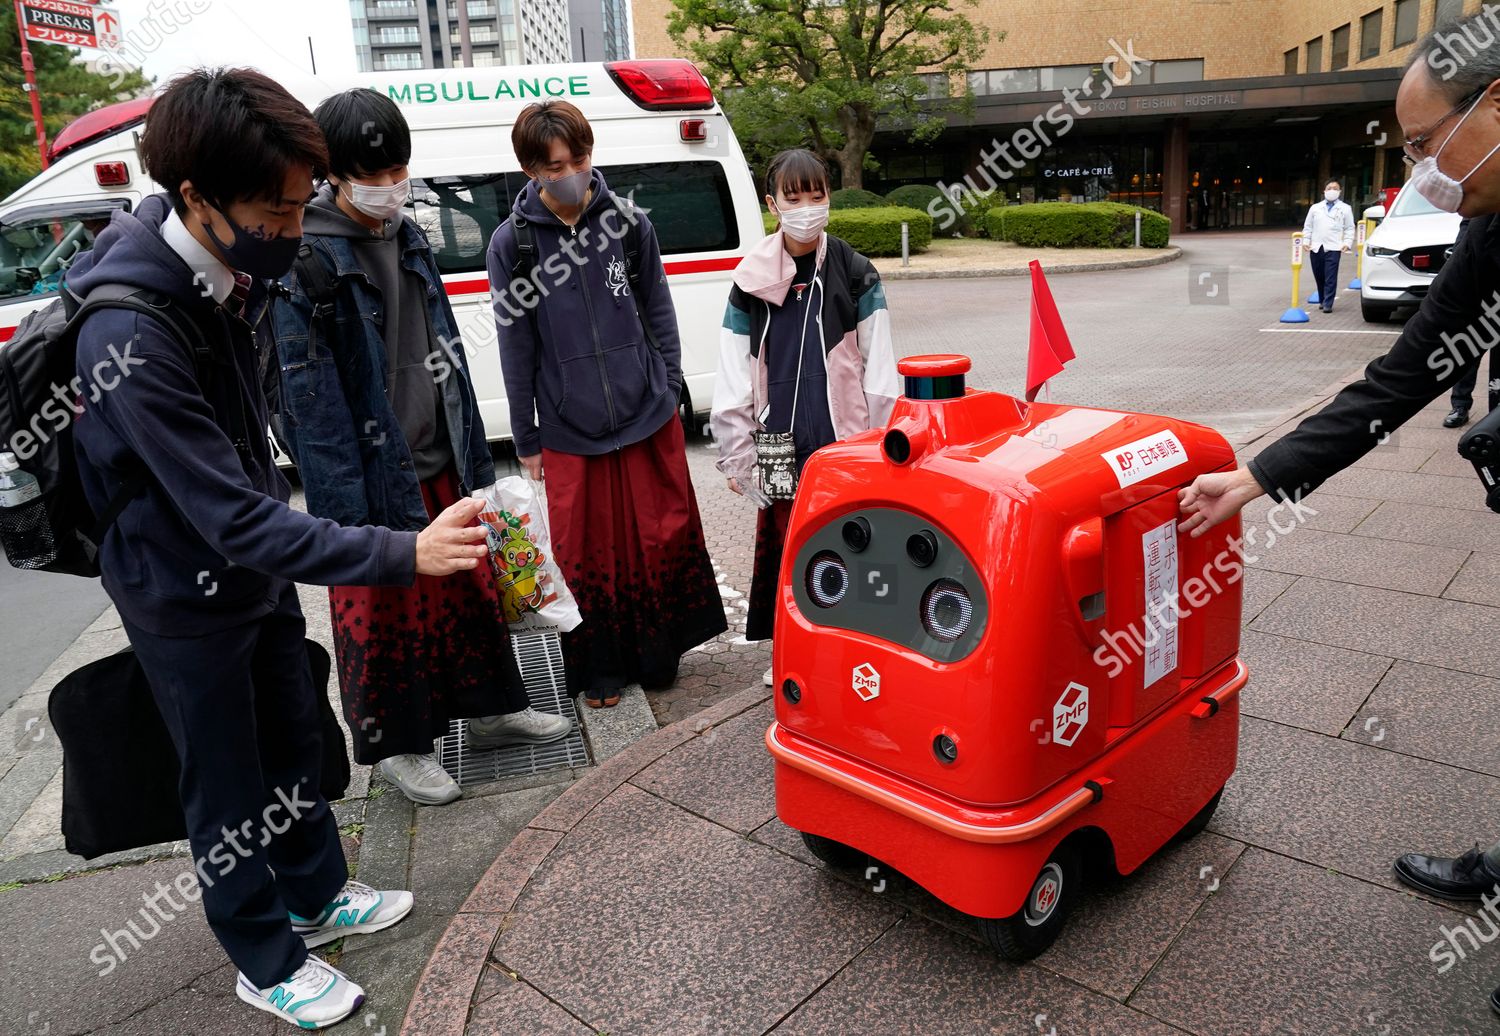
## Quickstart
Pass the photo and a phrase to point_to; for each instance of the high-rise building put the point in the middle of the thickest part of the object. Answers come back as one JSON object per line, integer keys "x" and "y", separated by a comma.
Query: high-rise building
{"x": 401, "y": 34}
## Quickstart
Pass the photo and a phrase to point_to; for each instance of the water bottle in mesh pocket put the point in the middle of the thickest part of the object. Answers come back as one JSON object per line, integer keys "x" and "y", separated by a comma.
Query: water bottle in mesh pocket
{"x": 26, "y": 535}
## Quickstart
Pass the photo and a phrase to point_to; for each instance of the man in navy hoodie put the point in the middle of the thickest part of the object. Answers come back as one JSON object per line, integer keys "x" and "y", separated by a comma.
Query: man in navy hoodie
{"x": 202, "y": 563}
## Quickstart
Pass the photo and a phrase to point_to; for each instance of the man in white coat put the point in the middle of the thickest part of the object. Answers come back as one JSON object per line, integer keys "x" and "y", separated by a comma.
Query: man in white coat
{"x": 1327, "y": 234}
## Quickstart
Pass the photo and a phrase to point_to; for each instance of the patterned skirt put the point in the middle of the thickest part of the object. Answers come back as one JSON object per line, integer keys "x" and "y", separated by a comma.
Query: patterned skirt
{"x": 410, "y": 659}
{"x": 627, "y": 536}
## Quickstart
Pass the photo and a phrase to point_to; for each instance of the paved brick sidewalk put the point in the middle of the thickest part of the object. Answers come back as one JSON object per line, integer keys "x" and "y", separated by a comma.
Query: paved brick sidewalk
{"x": 660, "y": 895}
{"x": 1143, "y": 342}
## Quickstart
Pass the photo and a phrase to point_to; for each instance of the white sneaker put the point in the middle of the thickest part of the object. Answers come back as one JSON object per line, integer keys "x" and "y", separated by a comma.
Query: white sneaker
{"x": 770, "y": 677}
{"x": 315, "y": 996}
{"x": 527, "y": 727}
{"x": 420, "y": 779}
{"x": 357, "y": 909}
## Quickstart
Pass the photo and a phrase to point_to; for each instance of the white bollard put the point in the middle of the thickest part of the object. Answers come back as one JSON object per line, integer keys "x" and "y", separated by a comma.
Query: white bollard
{"x": 905, "y": 244}
{"x": 1137, "y": 228}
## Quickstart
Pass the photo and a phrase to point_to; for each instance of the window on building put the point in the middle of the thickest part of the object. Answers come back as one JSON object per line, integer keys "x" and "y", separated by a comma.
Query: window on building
{"x": 402, "y": 59}
{"x": 1005, "y": 81}
{"x": 934, "y": 84}
{"x": 1447, "y": 11}
{"x": 484, "y": 59}
{"x": 1289, "y": 62}
{"x": 1315, "y": 55}
{"x": 398, "y": 34}
{"x": 1182, "y": 71}
{"x": 1063, "y": 77}
{"x": 1338, "y": 49}
{"x": 1369, "y": 34}
{"x": 1406, "y": 22}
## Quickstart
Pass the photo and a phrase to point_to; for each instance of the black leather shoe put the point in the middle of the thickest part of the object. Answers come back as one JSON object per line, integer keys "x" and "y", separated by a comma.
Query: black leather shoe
{"x": 1467, "y": 877}
{"x": 1457, "y": 418}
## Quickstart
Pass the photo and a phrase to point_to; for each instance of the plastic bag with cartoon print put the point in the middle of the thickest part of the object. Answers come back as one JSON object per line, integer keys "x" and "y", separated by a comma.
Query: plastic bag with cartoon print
{"x": 533, "y": 593}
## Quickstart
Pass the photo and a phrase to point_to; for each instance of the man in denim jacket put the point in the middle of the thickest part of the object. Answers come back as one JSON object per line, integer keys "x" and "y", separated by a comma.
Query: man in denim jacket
{"x": 378, "y": 411}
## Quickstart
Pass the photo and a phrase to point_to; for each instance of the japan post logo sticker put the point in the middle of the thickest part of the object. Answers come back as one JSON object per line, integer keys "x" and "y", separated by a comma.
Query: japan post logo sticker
{"x": 1145, "y": 457}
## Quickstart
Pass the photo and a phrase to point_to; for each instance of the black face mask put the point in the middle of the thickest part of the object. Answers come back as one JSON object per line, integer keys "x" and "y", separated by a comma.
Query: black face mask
{"x": 257, "y": 256}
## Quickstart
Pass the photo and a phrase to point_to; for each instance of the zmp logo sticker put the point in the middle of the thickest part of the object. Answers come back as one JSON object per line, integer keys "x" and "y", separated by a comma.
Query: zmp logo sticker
{"x": 866, "y": 682}
{"x": 1071, "y": 714}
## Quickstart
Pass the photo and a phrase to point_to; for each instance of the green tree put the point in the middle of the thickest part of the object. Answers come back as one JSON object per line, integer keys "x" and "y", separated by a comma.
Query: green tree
{"x": 821, "y": 73}
{"x": 68, "y": 89}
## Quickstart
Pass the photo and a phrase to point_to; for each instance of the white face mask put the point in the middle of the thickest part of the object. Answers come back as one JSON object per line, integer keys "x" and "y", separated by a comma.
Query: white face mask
{"x": 804, "y": 223}
{"x": 378, "y": 202}
{"x": 1438, "y": 187}
{"x": 1330, "y": 195}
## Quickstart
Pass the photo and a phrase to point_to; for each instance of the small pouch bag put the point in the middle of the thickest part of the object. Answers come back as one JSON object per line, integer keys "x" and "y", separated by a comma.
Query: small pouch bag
{"x": 776, "y": 464}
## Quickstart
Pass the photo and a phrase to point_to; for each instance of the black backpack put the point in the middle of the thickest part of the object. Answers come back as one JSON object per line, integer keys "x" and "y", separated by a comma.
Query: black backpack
{"x": 38, "y": 428}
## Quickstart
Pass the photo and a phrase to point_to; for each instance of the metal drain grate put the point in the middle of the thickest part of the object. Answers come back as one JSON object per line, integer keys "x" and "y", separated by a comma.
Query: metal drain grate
{"x": 540, "y": 657}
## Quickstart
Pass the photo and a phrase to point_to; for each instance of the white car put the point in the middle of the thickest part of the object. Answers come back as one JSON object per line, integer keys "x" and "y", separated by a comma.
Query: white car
{"x": 1404, "y": 254}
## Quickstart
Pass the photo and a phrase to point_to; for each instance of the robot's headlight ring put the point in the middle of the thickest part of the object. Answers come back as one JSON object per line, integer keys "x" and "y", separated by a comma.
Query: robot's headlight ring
{"x": 827, "y": 579}
{"x": 947, "y": 610}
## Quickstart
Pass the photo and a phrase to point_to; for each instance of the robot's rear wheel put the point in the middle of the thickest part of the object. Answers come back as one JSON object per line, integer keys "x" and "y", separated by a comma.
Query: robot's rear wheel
{"x": 1032, "y": 929}
{"x": 835, "y": 854}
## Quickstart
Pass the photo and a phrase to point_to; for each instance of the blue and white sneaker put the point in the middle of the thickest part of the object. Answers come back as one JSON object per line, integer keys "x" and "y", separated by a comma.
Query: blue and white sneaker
{"x": 315, "y": 996}
{"x": 358, "y": 909}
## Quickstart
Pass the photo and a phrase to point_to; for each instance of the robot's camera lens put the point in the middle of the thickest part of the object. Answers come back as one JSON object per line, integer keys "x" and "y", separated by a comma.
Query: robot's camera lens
{"x": 944, "y": 748}
{"x": 827, "y": 579}
{"x": 857, "y": 534}
{"x": 922, "y": 548}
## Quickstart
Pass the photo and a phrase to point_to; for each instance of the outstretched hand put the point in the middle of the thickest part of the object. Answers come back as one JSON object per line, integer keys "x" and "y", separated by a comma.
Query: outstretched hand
{"x": 451, "y": 544}
{"x": 1216, "y": 497}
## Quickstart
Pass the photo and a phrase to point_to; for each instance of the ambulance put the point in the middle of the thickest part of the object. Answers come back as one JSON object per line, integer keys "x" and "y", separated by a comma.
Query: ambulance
{"x": 660, "y": 138}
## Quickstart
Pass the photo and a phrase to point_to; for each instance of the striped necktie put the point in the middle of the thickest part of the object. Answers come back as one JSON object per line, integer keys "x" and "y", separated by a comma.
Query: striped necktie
{"x": 234, "y": 304}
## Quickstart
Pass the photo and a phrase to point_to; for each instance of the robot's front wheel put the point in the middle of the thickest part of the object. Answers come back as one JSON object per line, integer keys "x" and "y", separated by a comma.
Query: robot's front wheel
{"x": 1200, "y": 820}
{"x": 835, "y": 854}
{"x": 1029, "y": 931}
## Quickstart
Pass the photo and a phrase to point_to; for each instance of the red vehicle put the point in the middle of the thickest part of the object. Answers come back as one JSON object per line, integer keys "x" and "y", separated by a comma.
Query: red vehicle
{"x": 997, "y": 663}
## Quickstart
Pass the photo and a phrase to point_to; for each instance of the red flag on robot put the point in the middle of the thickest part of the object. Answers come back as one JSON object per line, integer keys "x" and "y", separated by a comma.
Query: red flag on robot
{"x": 1050, "y": 348}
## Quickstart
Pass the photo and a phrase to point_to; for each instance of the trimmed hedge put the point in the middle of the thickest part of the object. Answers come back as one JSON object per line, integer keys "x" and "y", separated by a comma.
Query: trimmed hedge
{"x": 854, "y": 198}
{"x": 878, "y": 231}
{"x": 1057, "y": 224}
{"x": 914, "y": 196}
{"x": 873, "y": 231}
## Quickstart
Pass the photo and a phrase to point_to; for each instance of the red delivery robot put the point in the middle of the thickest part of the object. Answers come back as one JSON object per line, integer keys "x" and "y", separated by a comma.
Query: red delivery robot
{"x": 997, "y": 663}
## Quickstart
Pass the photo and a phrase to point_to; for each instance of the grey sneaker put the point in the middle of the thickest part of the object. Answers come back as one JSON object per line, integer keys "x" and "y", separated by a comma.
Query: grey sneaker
{"x": 527, "y": 727}
{"x": 420, "y": 779}
{"x": 314, "y": 996}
